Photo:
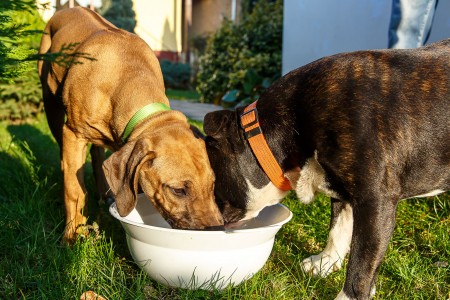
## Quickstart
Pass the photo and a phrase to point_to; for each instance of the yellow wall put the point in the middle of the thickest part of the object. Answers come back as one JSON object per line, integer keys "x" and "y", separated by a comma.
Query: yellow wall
{"x": 159, "y": 23}
{"x": 207, "y": 15}
{"x": 46, "y": 11}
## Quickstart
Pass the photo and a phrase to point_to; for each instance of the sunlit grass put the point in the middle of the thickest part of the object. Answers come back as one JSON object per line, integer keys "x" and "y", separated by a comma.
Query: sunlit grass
{"x": 191, "y": 95}
{"x": 34, "y": 264}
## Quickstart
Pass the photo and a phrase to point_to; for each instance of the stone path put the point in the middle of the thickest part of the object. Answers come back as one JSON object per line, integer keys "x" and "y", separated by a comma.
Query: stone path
{"x": 193, "y": 110}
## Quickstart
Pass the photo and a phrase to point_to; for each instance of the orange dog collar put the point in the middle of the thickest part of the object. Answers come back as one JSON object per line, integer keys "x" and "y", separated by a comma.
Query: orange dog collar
{"x": 262, "y": 152}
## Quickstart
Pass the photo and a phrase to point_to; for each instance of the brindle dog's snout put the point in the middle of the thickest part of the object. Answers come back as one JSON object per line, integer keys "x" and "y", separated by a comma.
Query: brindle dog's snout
{"x": 210, "y": 228}
{"x": 215, "y": 228}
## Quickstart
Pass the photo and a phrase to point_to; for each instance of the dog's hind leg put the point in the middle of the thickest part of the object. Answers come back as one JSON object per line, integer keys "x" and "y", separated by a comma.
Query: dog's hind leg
{"x": 338, "y": 245}
{"x": 374, "y": 222}
{"x": 55, "y": 118}
{"x": 54, "y": 109}
{"x": 73, "y": 159}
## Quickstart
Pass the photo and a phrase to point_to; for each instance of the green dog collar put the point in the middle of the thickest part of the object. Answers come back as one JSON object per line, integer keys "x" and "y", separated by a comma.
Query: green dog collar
{"x": 140, "y": 115}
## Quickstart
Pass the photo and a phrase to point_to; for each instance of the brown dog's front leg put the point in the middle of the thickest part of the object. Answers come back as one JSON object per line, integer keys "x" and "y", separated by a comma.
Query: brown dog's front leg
{"x": 73, "y": 159}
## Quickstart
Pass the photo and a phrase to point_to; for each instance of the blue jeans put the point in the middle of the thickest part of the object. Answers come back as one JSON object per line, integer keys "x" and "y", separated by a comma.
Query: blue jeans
{"x": 411, "y": 22}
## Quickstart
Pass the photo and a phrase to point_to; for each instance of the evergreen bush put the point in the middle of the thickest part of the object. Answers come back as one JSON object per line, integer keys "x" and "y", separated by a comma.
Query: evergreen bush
{"x": 176, "y": 75}
{"x": 243, "y": 58}
{"x": 16, "y": 16}
{"x": 20, "y": 90}
{"x": 120, "y": 13}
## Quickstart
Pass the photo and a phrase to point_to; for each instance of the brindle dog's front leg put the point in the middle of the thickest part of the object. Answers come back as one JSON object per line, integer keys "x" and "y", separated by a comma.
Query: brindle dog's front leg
{"x": 73, "y": 159}
{"x": 338, "y": 245}
{"x": 374, "y": 221}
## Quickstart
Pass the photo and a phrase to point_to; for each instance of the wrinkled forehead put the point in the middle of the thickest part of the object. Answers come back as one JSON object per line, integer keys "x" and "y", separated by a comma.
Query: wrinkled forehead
{"x": 183, "y": 159}
{"x": 179, "y": 141}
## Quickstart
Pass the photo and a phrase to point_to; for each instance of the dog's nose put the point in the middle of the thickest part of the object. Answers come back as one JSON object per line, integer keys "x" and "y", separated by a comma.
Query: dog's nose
{"x": 215, "y": 228}
{"x": 109, "y": 200}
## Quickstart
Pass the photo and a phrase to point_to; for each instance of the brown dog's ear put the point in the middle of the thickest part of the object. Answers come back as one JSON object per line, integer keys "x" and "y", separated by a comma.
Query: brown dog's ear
{"x": 197, "y": 133}
{"x": 217, "y": 122}
{"x": 122, "y": 173}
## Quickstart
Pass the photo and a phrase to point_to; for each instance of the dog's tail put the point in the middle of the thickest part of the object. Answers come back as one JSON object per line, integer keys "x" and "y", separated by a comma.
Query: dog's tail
{"x": 53, "y": 109}
{"x": 46, "y": 43}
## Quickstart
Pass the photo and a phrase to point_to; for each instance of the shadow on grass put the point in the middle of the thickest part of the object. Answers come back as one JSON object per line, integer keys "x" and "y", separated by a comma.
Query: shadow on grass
{"x": 30, "y": 227}
{"x": 43, "y": 147}
{"x": 46, "y": 155}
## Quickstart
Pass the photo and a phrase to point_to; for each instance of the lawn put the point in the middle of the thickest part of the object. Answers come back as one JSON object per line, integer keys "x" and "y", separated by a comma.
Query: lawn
{"x": 34, "y": 264}
{"x": 186, "y": 95}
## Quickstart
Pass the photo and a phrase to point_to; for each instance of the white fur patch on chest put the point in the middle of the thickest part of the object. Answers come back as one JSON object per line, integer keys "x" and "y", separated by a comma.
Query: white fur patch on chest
{"x": 312, "y": 180}
{"x": 260, "y": 198}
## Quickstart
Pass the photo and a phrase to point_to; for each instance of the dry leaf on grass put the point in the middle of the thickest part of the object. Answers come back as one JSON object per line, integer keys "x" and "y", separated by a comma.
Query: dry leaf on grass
{"x": 90, "y": 295}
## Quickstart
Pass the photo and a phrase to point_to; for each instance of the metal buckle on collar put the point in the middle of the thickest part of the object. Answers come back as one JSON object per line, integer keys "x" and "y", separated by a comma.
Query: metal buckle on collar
{"x": 252, "y": 132}
{"x": 252, "y": 122}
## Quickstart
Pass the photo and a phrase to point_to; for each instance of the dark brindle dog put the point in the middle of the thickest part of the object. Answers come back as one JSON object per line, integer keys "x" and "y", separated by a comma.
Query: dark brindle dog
{"x": 367, "y": 128}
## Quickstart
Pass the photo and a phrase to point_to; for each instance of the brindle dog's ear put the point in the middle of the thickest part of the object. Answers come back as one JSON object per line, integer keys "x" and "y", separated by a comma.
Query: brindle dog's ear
{"x": 217, "y": 122}
{"x": 122, "y": 173}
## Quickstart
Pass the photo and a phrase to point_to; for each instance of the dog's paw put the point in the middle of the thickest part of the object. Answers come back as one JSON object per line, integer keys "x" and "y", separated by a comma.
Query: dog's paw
{"x": 373, "y": 291}
{"x": 321, "y": 265}
{"x": 343, "y": 296}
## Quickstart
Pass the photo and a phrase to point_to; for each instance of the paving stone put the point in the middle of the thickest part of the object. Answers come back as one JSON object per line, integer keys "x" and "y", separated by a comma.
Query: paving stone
{"x": 194, "y": 110}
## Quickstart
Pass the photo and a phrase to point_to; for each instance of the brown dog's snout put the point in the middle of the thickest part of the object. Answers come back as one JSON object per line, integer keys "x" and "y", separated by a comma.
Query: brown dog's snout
{"x": 213, "y": 221}
{"x": 209, "y": 222}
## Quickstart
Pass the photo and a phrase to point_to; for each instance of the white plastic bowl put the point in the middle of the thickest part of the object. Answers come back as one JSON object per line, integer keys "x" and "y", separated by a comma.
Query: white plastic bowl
{"x": 199, "y": 259}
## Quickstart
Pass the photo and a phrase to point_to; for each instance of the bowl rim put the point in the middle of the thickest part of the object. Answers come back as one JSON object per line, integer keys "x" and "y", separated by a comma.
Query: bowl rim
{"x": 113, "y": 211}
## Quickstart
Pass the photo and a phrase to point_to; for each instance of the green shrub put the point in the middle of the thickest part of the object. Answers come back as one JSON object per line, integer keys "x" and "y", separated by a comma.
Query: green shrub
{"x": 120, "y": 13}
{"x": 19, "y": 22}
{"x": 176, "y": 75}
{"x": 22, "y": 99}
{"x": 252, "y": 46}
{"x": 20, "y": 90}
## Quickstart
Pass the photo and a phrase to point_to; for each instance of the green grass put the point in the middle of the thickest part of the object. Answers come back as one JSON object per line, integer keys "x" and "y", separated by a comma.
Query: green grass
{"x": 188, "y": 95}
{"x": 34, "y": 264}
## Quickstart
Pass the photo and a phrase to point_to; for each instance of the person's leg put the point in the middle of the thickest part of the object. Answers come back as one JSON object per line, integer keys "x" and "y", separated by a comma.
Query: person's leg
{"x": 411, "y": 22}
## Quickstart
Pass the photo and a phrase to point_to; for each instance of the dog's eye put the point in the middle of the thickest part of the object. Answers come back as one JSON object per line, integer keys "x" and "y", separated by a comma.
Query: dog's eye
{"x": 179, "y": 192}
{"x": 210, "y": 141}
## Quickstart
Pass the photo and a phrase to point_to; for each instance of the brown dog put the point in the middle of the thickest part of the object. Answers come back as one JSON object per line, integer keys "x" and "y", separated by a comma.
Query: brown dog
{"x": 92, "y": 101}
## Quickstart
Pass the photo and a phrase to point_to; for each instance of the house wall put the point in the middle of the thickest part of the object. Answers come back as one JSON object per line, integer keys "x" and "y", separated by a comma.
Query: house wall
{"x": 159, "y": 24}
{"x": 167, "y": 29}
{"x": 207, "y": 15}
{"x": 167, "y": 26}
{"x": 313, "y": 29}
{"x": 47, "y": 8}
